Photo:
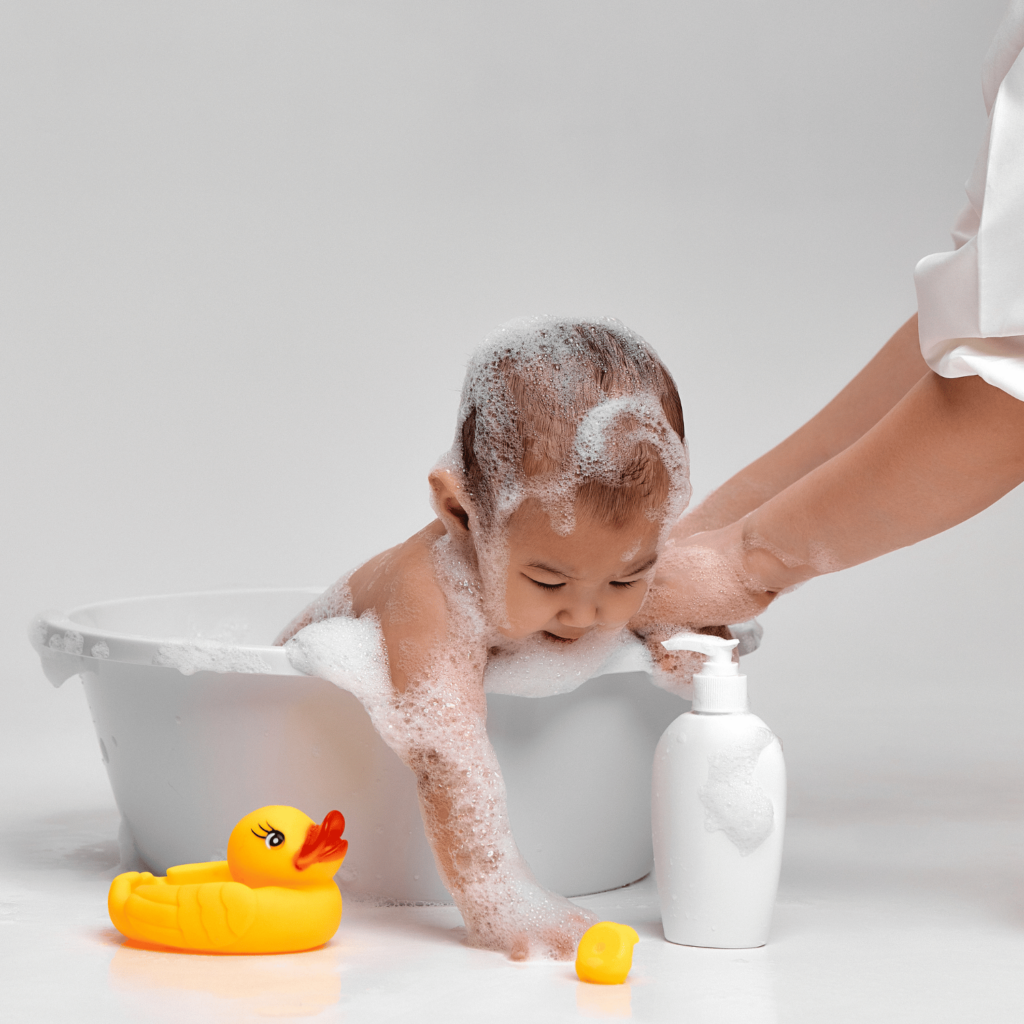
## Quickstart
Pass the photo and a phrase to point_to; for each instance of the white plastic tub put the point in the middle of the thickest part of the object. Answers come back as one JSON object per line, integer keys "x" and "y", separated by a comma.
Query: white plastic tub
{"x": 190, "y": 754}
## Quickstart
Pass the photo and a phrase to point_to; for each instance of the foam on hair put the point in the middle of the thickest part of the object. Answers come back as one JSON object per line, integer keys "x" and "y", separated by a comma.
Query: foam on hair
{"x": 580, "y": 415}
{"x": 575, "y": 413}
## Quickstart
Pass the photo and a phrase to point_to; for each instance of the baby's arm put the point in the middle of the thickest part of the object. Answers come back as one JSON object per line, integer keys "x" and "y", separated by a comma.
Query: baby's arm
{"x": 439, "y": 715}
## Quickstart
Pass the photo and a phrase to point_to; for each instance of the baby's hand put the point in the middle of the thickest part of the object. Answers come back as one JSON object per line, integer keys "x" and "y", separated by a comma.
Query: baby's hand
{"x": 535, "y": 923}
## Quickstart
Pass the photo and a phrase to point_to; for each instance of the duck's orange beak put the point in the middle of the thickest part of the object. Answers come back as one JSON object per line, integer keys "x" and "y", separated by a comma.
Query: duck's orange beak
{"x": 323, "y": 842}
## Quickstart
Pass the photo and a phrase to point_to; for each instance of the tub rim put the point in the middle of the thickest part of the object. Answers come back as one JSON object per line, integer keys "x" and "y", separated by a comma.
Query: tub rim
{"x": 66, "y": 647}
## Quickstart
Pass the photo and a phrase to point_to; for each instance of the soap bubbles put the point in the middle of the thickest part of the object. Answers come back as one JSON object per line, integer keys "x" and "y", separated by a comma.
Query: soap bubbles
{"x": 552, "y": 407}
{"x": 578, "y": 416}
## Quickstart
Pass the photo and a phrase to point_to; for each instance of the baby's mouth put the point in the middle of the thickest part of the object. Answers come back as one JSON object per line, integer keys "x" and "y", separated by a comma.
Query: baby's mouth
{"x": 561, "y": 639}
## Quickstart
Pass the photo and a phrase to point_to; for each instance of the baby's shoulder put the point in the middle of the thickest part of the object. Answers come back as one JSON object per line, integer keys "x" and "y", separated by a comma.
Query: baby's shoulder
{"x": 423, "y": 623}
{"x": 401, "y": 587}
{"x": 400, "y": 583}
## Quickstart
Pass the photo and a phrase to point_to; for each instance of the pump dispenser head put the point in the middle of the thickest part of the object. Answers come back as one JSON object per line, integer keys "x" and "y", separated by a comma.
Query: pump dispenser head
{"x": 718, "y": 688}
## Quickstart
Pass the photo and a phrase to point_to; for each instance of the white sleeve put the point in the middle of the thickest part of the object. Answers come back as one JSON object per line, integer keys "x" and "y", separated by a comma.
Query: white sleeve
{"x": 971, "y": 300}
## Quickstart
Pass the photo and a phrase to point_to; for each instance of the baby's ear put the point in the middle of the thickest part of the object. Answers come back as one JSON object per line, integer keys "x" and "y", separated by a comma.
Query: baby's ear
{"x": 449, "y": 501}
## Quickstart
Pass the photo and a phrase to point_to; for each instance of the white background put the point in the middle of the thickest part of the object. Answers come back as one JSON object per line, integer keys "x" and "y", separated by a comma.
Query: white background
{"x": 247, "y": 247}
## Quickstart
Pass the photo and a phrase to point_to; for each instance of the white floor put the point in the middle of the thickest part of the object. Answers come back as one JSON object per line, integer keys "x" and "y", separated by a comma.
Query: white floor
{"x": 877, "y": 921}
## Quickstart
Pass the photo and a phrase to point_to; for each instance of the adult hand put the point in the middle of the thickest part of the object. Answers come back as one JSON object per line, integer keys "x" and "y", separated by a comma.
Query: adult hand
{"x": 945, "y": 452}
{"x": 702, "y": 580}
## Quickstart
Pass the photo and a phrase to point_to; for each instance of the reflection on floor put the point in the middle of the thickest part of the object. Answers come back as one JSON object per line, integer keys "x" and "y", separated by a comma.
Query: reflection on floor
{"x": 881, "y": 920}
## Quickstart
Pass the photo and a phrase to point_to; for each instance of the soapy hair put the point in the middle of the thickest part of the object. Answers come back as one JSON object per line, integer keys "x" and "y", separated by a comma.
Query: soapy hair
{"x": 577, "y": 414}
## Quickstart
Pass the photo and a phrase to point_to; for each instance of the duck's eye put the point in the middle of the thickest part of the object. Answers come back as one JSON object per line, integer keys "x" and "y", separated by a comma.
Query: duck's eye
{"x": 273, "y": 839}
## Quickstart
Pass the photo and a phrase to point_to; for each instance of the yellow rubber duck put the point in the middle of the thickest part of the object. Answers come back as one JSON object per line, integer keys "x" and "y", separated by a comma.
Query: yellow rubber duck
{"x": 605, "y": 953}
{"x": 274, "y": 894}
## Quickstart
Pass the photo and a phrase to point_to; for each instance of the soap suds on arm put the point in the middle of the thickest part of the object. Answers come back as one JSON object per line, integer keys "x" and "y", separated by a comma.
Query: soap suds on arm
{"x": 430, "y": 708}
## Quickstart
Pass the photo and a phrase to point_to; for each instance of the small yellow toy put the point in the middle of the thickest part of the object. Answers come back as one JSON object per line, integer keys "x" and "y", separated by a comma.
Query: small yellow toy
{"x": 605, "y": 953}
{"x": 274, "y": 894}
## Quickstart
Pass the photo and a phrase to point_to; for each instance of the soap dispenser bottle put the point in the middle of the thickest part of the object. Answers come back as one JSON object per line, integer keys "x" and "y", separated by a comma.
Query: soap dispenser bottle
{"x": 718, "y": 809}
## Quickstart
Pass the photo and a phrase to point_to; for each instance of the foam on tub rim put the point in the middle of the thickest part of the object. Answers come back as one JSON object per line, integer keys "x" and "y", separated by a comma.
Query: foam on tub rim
{"x": 67, "y": 647}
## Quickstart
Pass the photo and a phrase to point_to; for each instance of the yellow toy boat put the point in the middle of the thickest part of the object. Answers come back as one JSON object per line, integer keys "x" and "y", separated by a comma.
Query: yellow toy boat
{"x": 274, "y": 894}
{"x": 605, "y": 953}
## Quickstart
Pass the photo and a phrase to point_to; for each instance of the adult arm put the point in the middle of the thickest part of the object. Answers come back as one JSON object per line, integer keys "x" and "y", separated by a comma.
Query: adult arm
{"x": 946, "y": 451}
{"x": 896, "y": 368}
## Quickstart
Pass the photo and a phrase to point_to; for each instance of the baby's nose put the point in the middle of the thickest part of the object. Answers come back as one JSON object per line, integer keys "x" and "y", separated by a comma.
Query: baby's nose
{"x": 580, "y": 615}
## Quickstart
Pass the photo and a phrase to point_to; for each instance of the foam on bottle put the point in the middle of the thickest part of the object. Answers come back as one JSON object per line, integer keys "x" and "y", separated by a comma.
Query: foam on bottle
{"x": 733, "y": 802}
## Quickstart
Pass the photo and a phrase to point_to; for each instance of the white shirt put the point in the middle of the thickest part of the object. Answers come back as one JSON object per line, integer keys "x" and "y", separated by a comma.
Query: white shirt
{"x": 971, "y": 300}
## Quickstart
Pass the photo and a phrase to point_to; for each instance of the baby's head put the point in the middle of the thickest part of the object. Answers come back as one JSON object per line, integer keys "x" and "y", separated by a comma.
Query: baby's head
{"x": 568, "y": 469}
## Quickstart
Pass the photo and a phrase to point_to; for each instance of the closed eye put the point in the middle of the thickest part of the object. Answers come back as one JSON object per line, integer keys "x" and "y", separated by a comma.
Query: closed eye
{"x": 546, "y": 586}
{"x": 624, "y": 583}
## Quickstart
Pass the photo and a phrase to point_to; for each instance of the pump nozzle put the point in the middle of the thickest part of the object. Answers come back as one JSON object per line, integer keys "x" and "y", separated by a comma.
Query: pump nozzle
{"x": 718, "y": 687}
{"x": 717, "y": 650}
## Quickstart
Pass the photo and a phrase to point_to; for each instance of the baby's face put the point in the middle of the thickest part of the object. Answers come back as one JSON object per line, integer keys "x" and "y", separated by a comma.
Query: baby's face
{"x": 565, "y": 586}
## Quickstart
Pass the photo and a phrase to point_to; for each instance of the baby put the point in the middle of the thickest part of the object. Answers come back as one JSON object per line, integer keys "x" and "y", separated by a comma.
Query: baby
{"x": 568, "y": 472}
